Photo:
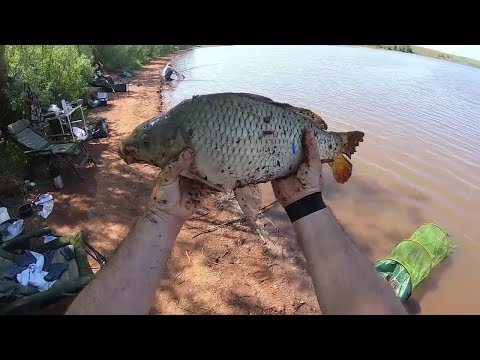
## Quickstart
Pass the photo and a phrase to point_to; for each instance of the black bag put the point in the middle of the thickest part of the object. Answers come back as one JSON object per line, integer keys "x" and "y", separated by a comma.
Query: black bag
{"x": 99, "y": 129}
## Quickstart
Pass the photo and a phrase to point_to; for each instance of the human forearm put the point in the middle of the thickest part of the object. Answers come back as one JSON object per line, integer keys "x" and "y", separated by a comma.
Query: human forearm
{"x": 344, "y": 281}
{"x": 127, "y": 283}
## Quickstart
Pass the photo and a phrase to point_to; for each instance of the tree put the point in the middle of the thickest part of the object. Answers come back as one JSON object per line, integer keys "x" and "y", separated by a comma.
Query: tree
{"x": 4, "y": 104}
{"x": 3, "y": 66}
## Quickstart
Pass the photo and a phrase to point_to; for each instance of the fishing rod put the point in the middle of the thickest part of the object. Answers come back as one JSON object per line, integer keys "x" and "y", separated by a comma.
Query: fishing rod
{"x": 179, "y": 74}
{"x": 200, "y": 66}
{"x": 184, "y": 79}
{"x": 196, "y": 80}
{"x": 178, "y": 80}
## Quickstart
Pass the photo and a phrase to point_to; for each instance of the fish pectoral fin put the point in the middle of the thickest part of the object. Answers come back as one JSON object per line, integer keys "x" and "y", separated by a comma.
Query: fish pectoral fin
{"x": 250, "y": 200}
{"x": 342, "y": 169}
{"x": 192, "y": 176}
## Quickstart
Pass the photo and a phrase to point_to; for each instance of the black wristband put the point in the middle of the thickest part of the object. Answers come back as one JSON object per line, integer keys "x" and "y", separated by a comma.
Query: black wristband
{"x": 305, "y": 206}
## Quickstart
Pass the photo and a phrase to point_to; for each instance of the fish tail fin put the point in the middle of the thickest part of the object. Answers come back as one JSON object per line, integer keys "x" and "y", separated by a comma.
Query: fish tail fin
{"x": 341, "y": 166}
{"x": 350, "y": 141}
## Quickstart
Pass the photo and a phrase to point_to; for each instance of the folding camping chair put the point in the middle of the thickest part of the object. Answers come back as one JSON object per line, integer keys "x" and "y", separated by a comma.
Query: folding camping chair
{"x": 16, "y": 298}
{"x": 40, "y": 146}
{"x": 34, "y": 109}
{"x": 111, "y": 85}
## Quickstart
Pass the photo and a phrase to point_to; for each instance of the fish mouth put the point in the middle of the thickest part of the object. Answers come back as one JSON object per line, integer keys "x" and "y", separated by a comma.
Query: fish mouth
{"x": 126, "y": 155}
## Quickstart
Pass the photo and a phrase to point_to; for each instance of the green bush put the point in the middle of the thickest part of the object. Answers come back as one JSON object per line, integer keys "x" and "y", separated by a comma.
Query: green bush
{"x": 53, "y": 71}
{"x": 131, "y": 56}
{"x": 64, "y": 71}
{"x": 12, "y": 160}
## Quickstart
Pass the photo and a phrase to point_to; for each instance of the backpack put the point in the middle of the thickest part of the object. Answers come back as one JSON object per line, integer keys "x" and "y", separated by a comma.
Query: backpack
{"x": 99, "y": 129}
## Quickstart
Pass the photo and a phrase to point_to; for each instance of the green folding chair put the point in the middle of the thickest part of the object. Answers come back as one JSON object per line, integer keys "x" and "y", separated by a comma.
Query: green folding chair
{"x": 40, "y": 146}
{"x": 18, "y": 299}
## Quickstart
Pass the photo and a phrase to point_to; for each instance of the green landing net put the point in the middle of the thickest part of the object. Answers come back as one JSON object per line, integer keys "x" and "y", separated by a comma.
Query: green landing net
{"x": 411, "y": 260}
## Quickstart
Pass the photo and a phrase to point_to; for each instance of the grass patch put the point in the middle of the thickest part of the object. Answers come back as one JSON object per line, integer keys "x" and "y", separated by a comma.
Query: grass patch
{"x": 12, "y": 161}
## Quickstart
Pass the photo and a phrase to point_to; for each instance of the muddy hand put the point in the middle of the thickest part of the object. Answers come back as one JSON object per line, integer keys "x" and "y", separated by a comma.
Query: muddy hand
{"x": 307, "y": 180}
{"x": 176, "y": 195}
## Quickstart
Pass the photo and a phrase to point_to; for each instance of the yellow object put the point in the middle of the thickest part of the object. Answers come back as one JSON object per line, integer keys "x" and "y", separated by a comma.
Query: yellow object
{"x": 342, "y": 169}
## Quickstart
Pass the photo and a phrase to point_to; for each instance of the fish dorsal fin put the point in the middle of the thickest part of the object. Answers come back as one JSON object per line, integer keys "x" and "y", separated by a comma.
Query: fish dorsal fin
{"x": 310, "y": 115}
{"x": 307, "y": 114}
{"x": 256, "y": 97}
{"x": 264, "y": 99}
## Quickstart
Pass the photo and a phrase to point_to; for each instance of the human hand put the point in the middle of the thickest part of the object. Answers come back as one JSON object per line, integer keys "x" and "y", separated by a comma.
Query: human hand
{"x": 176, "y": 195}
{"x": 308, "y": 179}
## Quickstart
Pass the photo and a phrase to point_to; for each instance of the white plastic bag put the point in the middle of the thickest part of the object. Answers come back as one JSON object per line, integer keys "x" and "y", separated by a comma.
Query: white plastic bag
{"x": 4, "y": 214}
{"x": 48, "y": 238}
{"x": 47, "y": 209}
{"x": 43, "y": 199}
{"x": 14, "y": 229}
{"x": 80, "y": 134}
{"x": 46, "y": 200}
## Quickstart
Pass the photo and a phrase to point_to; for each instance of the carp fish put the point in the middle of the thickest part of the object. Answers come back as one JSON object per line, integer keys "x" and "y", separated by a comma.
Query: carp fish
{"x": 240, "y": 140}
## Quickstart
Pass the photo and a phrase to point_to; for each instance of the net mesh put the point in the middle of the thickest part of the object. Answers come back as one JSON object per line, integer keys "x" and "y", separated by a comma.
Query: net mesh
{"x": 418, "y": 255}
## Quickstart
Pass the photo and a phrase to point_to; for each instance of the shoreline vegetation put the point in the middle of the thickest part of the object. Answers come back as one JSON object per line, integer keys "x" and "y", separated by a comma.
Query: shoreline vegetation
{"x": 55, "y": 72}
{"x": 418, "y": 50}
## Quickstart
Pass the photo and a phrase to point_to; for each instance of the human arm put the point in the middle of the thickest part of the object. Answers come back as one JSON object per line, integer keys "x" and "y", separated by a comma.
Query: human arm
{"x": 127, "y": 283}
{"x": 344, "y": 280}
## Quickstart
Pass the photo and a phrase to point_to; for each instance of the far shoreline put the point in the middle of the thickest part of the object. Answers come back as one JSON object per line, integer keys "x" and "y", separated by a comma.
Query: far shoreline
{"x": 425, "y": 52}
{"x": 415, "y": 49}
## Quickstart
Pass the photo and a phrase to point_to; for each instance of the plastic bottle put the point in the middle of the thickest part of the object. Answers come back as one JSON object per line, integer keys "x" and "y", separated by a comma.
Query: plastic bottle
{"x": 57, "y": 179}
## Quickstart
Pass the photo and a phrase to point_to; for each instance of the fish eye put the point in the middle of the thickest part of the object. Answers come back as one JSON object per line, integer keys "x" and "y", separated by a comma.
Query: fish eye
{"x": 144, "y": 139}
